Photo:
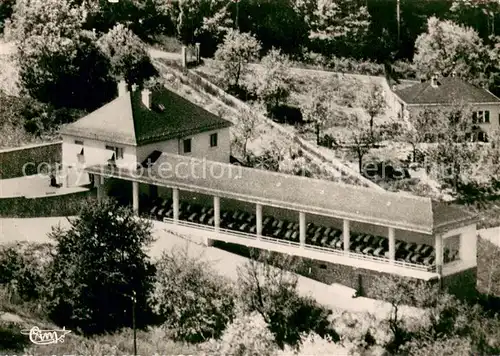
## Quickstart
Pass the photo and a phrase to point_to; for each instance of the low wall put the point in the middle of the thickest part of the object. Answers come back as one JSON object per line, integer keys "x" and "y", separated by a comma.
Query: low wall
{"x": 55, "y": 205}
{"x": 462, "y": 284}
{"x": 13, "y": 160}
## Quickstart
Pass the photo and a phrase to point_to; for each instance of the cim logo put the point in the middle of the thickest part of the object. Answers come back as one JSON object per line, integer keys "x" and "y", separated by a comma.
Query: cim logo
{"x": 45, "y": 337}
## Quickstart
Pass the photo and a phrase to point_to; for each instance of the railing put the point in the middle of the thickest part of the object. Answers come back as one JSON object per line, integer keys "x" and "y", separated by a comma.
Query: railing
{"x": 328, "y": 250}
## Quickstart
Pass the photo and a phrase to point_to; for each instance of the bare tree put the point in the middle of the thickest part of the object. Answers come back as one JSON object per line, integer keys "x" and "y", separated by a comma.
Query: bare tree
{"x": 374, "y": 104}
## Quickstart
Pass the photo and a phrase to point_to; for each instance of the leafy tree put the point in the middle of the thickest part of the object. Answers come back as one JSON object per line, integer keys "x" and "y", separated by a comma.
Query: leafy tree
{"x": 194, "y": 303}
{"x": 276, "y": 23}
{"x": 246, "y": 129}
{"x": 483, "y": 10}
{"x": 447, "y": 47}
{"x": 59, "y": 63}
{"x": 453, "y": 156}
{"x": 273, "y": 84}
{"x": 340, "y": 24}
{"x": 99, "y": 265}
{"x": 427, "y": 126}
{"x": 316, "y": 111}
{"x": 361, "y": 141}
{"x": 246, "y": 335}
{"x": 127, "y": 54}
{"x": 266, "y": 286}
{"x": 374, "y": 104}
{"x": 237, "y": 50}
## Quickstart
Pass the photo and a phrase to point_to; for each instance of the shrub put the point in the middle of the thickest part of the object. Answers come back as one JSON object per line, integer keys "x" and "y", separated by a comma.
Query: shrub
{"x": 193, "y": 302}
{"x": 100, "y": 264}
{"x": 11, "y": 338}
{"x": 247, "y": 335}
{"x": 313, "y": 344}
{"x": 266, "y": 287}
{"x": 22, "y": 269}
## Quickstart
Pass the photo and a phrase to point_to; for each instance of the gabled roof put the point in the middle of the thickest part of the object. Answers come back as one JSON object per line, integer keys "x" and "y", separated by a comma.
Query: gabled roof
{"x": 126, "y": 120}
{"x": 112, "y": 122}
{"x": 449, "y": 91}
{"x": 313, "y": 196}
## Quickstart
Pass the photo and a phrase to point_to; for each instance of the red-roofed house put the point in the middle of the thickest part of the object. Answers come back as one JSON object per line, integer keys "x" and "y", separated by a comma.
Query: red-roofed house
{"x": 447, "y": 91}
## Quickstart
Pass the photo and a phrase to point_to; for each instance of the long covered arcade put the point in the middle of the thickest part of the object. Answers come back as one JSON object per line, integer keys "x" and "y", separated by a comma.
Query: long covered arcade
{"x": 321, "y": 220}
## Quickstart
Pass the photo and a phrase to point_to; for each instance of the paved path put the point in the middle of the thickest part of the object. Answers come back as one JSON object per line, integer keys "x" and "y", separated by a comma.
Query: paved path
{"x": 33, "y": 186}
{"x": 492, "y": 235}
{"x": 334, "y": 296}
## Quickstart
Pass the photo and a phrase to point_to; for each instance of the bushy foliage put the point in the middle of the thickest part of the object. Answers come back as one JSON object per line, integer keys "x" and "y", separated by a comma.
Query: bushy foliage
{"x": 247, "y": 335}
{"x": 23, "y": 269}
{"x": 59, "y": 63}
{"x": 237, "y": 50}
{"x": 127, "y": 54}
{"x": 193, "y": 302}
{"x": 267, "y": 288}
{"x": 99, "y": 269}
{"x": 313, "y": 344}
{"x": 362, "y": 331}
{"x": 447, "y": 47}
{"x": 273, "y": 84}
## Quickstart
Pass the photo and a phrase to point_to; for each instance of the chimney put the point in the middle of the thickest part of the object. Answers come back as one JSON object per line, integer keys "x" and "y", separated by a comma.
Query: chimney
{"x": 146, "y": 98}
{"x": 184, "y": 56}
{"x": 434, "y": 81}
{"x": 122, "y": 88}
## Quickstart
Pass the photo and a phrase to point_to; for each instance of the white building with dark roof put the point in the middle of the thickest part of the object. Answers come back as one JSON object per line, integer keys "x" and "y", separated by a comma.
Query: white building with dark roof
{"x": 169, "y": 159}
{"x": 445, "y": 92}
{"x": 348, "y": 232}
{"x": 137, "y": 124}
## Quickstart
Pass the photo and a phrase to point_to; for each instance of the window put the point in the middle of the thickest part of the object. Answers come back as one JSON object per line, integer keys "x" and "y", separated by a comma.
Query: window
{"x": 78, "y": 142}
{"x": 481, "y": 117}
{"x": 117, "y": 150}
{"x": 80, "y": 156}
{"x": 482, "y": 137}
{"x": 187, "y": 145}
{"x": 213, "y": 140}
{"x": 451, "y": 249}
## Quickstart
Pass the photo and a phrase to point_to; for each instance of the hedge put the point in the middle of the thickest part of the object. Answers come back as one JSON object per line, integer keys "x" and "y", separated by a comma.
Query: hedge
{"x": 55, "y": 205}
{"x": 13, "y": 160}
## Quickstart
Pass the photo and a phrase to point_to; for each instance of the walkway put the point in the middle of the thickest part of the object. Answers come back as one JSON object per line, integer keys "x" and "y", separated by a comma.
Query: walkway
{"x": 492, "y": 235}
{"x": 334, "y": 296}
{"x": 32, "y": 186}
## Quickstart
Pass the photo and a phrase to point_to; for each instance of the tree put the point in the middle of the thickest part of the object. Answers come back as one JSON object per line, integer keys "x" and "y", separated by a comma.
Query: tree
{"x": 194, "y": 303}
{"x": 316, "y": 111}
{"x": 266, "y": 287}
{"x": 399, "y": 292}
{"x": 374, "y": 104}
{"x": 454, "y": 157}
{"x": 247, "y": 335}
{"x": 237, "y": 50}
{"x": 361, "y": 141}
{"x": 127, "y": 55}
{"x": 246, "y": 129}
{"x": 273, "y": 84}
{"x": 99, "y": 266}
{"x": 426, "y": 126}
{"x": 59, "y": 62}
{"x": 447, "y": 48}
{"x": 340, "y": 24}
